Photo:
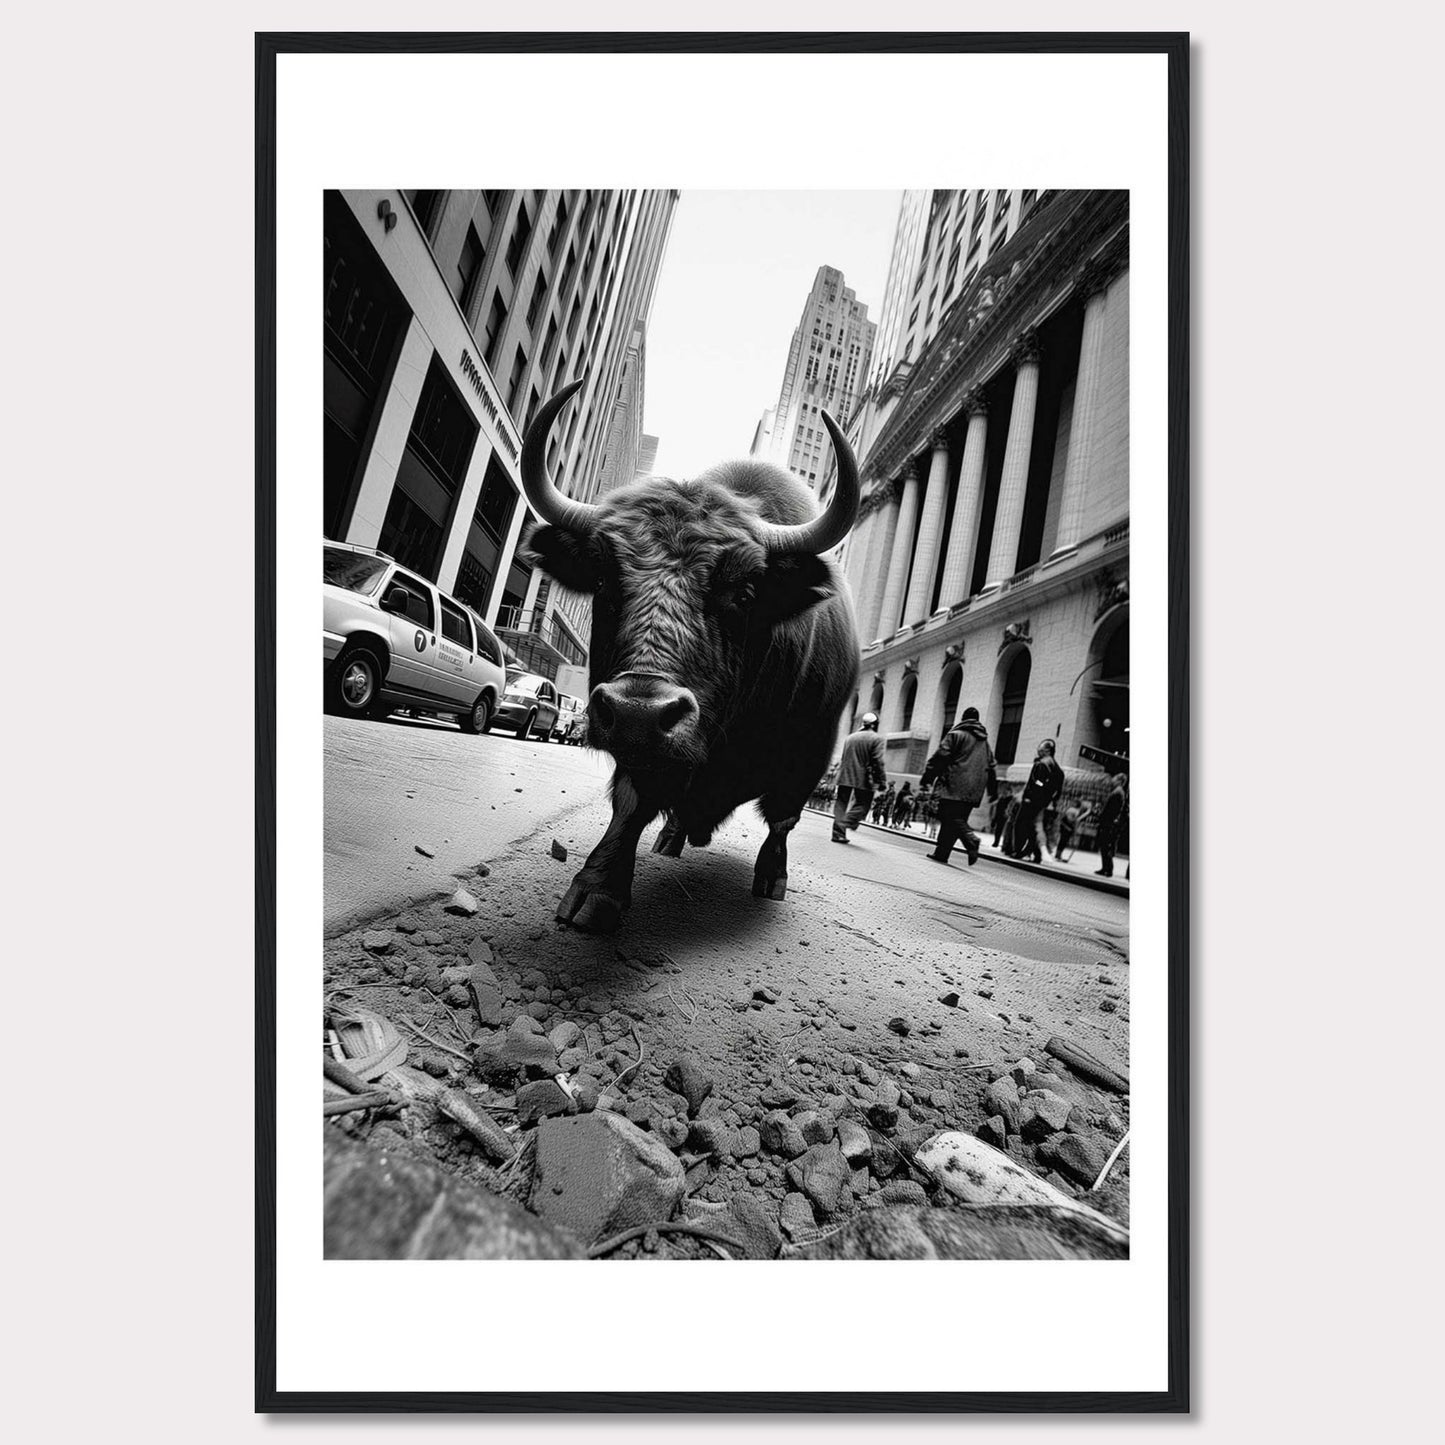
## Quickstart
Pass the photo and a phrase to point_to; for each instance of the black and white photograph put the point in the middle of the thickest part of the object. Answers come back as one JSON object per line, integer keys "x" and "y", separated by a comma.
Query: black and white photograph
{"x": 722, "y": 788}
{"x": 599, "y": 983}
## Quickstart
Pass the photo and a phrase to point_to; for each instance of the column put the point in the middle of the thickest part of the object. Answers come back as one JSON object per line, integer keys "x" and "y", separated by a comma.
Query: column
{"x": 1014, "y": 484}
{"x": 930, "y": 530}
{"x": 466, "y": 506}
{"x": 1094, "y": 282}
{"x": 393, "y": 427}
{"x": 899, "y": 554}
{"x": 880, "y": 549}
{"x": 858, "y": 543}
{"x": 958, "y": 569}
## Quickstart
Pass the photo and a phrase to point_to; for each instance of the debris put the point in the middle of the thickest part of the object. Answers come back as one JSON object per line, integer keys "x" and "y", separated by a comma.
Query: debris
{"x": 1087, "y": 1066}
{"x": 558, "y": 851}
{"x": 377, "y": 941}
{"x": 437, "y": 1043}
{"x": 496, "y": 1143}
{"x": 822, "y": 1174}
{"x": 686, "y": 1076}
{"x": 485, "y": 987}
{"x": 754, "y": 1225}
{"x": 780, "y": 1135}
{"x": 350, "y": 1103}
{"x": 853, "y": 1140}
{"x": 1002, "y": 1097}
{"x": 699, "y": 1231}
{"x": 900, "y": 1026}
{"x": 1074, "y": 1156}
{"x": 994, "y": 1131}
{"x": 367, "y": 1043}
{"x": 541, "y": 1099}
{"x": 425, "y": 852}
{"x": 1109, "y": 1162}
{"x": 463, "y": 903}
{"x": 796, "y": 1217}
{"x": 1042, "y": 1114}
{"x": 904, "y": 1191}
{"x": 948, "y": 1000}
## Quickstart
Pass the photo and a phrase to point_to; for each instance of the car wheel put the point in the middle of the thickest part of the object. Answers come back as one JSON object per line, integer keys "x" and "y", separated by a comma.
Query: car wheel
{"x": 479, "y": 720}
{"x": 525, "y": 731}
{"x": 354, "y": 684}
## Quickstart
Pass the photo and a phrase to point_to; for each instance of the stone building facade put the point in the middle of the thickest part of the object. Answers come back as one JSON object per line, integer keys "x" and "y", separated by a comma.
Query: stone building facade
{"x": 990, "y": 562}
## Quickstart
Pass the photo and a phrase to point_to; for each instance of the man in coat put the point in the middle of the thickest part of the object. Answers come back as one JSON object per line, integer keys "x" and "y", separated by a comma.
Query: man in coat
{"x": 860, "y": 775}
{"x": 963, "y": 771}
{"x": 1045, "y": 783}
{"x": 1111, "y": 819}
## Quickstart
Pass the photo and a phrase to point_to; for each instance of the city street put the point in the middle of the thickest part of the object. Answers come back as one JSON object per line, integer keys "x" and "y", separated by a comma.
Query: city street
{"x": 879, "y": 967}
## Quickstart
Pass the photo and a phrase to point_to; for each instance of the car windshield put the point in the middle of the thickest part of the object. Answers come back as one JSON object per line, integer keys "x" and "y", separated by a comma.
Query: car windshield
{"x": 354, "y": 571}
{"x": 527, "y": 684}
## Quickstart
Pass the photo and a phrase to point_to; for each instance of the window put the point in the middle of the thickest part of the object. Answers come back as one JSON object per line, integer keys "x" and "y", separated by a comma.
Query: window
{"x": 514, "y": 386}
{"x": 418, "y": 601}
{"x": 427, "y": 208}
{"x": 494, "y": 201}
{"x": 550, "y": 343}
{"x": 487, "y": 643}
{"x": 442, "y": 431}
{"x": 456, "y": 626}
{"x": 559, "y": 224}
{"x": 517, "y": 246}
{"x": 574, "y": 318}
{"x": 539, "y": 290}
{"x": 532, "y": 406}
{"x": 492, "y": 337}
{"x": 474, "y": 581}
{"x": 469, "y": 268}
{"x": 571, "y": 267}
{"x": 494, "y": 506}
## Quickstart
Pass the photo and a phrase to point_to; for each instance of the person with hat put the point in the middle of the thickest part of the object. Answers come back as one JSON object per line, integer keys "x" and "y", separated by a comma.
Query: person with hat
{"x": 860, "y": 774}
{"x": 1111, "y": 820}
{"x": 962, "y": 769}
{"x": 1046, "y": 782}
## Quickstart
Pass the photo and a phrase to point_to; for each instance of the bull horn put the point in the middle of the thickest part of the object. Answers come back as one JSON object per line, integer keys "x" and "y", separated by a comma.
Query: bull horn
{"x": 825, "y": 532}
{"x": 541, "y": 491}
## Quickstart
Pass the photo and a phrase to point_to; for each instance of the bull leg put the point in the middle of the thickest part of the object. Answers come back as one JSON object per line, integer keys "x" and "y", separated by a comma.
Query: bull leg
{"x": 602, "y": 888}
{"x": 671, "y": 838}
{"x": 770, "y": 872}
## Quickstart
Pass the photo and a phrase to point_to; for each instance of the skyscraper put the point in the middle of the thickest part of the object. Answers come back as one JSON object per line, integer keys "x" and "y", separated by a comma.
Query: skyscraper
{"x": 828, "y": 362}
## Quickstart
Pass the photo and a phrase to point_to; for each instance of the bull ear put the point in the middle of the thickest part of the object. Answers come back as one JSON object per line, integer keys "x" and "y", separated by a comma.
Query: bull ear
{"x": 790, "y": 585}
{"x": 571, "y": 560}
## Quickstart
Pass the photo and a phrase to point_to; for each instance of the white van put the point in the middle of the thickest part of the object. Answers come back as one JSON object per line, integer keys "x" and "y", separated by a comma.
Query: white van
{"x": 391, "y": 639}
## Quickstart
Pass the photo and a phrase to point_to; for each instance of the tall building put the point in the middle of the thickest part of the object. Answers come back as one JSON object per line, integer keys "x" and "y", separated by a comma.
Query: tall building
{"x": 828, "y": 361}
{"x": 990, "y": 562}
{"x": 449, "y": 317}
{"x": 647, "y": 456}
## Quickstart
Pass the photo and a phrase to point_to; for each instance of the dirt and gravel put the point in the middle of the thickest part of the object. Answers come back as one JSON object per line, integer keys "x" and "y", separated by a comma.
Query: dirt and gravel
{"x": 771, "y": 1069}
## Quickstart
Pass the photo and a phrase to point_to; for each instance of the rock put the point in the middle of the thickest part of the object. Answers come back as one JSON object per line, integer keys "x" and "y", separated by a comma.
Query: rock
{"x": 948, "y": 1000}
{"x": 480, "y": 951}
{"x": 940, "y": 1099}
{"x": 382, "y": 1205}
{"x": 570, "y": 1059}
{"x": 866, "y": 1072}
{"x": 686, "y": 1076}
{"x": 796, "y": 1217}
{"x": 1074, "y": 1155}
{"x": 584, "y": 1091}
{"x": 853, "y": 1140}
{"x": 746, "y": 1142}
{"x": 1002, "y": 1097}
{"x": 900, "y": 1026}
{"x": 425, "y": 852}
{"x": 767, "y": 995}
{"x": 541, "y": 1100}
{"x": 883, "y": 1112}
{"x": 753, "y": 1225}
{"x": 564, "y": 1036}
{"x": 742, "y": 1001}
{"x": 910, "y": 1070}
{"x": 457, "y": 973}
{"x": 377, "y": 941}
{"x": 483, "y": 871}
{"x": 984, "y": 992}
{"x": 1107, "y": 1006}
{"x": 462, "y": 902}
{"x": 778, "y": 1095}
{"x": 501, "y": 1055}
{"x": 539, "y": 1011}
{"x": 815, "y": 1129}
{"x": 485, "y": 987}
{"x": 1042, "y": 1114}
{"x": 709, "y": 1136}
{"x": 1022, "y": 1072}
{"x": 597, "y": 1175}
{"x": 674, "y": 1131}
{"x": 457, "y": 996}
{"x": 821, "y": 1173}
{"x": 994, "y": 1131}
{"x": 904, "y": 1191}
{"x": 559, "y": 852}
{"x": 780, "y": 1135}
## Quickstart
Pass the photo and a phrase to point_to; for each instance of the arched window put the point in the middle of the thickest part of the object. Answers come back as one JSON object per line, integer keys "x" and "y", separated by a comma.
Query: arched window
{"x": 1104, "y": 712}
{"x": 906, "y": 700}
{"x": 1015, "y": 690}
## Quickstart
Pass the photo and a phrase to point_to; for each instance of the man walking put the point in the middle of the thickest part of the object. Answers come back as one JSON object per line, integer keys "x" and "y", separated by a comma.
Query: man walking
{"x": 1111, "y": 820}
{"x": 860, "y": 775}
{"x": 1046, "y": 782}
{"x": 962, "y": 770}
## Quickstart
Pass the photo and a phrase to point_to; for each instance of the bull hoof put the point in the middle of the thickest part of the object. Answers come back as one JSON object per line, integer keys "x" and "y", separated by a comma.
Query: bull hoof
{"x": 591, "y": 912}
{"x": 775, "y": 888}
{"x": 669, "y": 843}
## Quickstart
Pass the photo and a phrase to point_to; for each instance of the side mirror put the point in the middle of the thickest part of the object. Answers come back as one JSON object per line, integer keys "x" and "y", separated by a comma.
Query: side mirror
{"x": 395, "y": 600}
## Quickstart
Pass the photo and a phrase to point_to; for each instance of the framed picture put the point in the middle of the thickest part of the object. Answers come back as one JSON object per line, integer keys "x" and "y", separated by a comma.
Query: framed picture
{"x": 794, "y": 421}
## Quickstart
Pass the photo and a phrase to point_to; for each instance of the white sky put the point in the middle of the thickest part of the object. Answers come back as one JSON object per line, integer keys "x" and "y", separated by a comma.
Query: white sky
{"x": 737, "y": 271}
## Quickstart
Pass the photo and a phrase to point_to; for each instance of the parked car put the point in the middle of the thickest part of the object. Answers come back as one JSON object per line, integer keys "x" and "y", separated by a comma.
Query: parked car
{"x": 529, "y": 705}
{"x": 391, "y": 639}
{"x": 568, "y": 718}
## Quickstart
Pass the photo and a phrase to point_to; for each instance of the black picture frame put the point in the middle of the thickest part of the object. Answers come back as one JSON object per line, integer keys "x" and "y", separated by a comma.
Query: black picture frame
{"x": 1175, "y": 1397}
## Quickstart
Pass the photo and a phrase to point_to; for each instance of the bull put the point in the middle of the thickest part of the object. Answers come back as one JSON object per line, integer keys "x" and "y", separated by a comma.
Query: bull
{"x": 723, "y": 651}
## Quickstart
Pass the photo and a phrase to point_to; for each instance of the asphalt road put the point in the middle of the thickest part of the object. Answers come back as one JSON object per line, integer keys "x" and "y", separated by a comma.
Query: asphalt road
{"x": 886, "y": 930}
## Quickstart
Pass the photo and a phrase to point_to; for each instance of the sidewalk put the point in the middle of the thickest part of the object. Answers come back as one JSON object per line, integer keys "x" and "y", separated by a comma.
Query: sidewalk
{"x": 1079, "y": 869}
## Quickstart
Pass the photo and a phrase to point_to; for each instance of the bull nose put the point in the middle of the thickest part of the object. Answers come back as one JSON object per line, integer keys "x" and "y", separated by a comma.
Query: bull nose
{"x": 641, "y": 715}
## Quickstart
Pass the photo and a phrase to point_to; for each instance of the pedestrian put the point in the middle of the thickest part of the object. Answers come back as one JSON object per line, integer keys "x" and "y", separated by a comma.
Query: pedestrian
{"x": 903, "y": 806}
{"x": 929, "y": 805}
{"x": 1004, "y": 808}
{"x": 1071, "y": 819}
{"x": 860, "y": 775}
{"x": 1046, "y": 782}
{"x": 961, "y": 771}
{"x": 883, "y": 805}
{"x": 1111, "y": 820}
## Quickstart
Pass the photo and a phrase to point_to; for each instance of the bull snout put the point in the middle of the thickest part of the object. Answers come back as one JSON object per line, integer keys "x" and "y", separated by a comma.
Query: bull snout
{"x": 643, "y": 719}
